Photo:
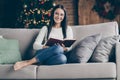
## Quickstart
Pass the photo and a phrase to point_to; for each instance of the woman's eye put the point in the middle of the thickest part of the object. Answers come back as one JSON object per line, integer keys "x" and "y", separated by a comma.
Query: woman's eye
{"x": 56, "y": 13}
{"x": 61, "y": 14}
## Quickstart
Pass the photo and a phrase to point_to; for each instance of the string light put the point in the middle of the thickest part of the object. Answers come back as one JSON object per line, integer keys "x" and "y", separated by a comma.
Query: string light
{"x": 25, "y": 6}
{"x": 38, "y": 12}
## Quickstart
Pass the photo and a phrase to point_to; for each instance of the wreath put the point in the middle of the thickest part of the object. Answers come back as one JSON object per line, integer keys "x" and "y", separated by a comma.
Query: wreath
{"x": 108, "y": 9}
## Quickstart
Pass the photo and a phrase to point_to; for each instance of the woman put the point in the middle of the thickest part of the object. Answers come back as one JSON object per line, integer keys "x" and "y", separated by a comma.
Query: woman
{"x": 55, "y": 54}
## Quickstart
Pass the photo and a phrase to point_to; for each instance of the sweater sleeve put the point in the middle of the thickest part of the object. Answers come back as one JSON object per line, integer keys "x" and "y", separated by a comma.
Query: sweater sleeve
{"x": 69, "y": 36}
{"x": 69, "y": 33}
{"x": 38, "y": 41}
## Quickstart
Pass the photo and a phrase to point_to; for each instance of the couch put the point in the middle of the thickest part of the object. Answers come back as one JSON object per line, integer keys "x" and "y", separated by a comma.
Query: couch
{"x": 75, "y": 71}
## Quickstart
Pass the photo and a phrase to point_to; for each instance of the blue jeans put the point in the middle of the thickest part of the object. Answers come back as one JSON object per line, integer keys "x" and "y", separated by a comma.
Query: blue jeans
{"x": 51, "y": 56}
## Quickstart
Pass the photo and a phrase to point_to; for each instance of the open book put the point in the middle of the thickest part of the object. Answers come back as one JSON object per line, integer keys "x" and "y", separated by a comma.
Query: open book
{"x": 67, "y": 42}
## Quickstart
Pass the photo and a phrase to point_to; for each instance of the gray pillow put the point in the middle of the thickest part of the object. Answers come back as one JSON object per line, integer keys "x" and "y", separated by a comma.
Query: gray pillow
{"x": 84, "y": 49}
{"x": 104, "y": 49}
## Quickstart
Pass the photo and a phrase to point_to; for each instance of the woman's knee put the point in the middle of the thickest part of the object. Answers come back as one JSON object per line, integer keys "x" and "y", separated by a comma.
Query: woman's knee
{"x": 63, "y": 59}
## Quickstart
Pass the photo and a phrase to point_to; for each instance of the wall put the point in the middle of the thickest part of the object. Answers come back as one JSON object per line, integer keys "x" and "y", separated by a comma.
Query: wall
{"x": 72, "y": 10}
{"x": 8, "y": 13}
{"x": 1, "y": 12}
{"x": 88, "y": 16}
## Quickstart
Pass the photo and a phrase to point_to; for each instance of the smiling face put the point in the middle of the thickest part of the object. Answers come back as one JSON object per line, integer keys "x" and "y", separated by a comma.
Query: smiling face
{"x": 59, "y": 15}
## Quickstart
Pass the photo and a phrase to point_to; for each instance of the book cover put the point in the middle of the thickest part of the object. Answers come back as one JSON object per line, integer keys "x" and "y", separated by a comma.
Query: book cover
{"x": 67, "y": 42}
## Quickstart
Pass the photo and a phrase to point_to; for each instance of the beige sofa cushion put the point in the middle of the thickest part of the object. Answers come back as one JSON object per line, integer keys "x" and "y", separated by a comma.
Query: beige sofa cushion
{"x": 76, "y": 71}
{"x": 8, "y": 73}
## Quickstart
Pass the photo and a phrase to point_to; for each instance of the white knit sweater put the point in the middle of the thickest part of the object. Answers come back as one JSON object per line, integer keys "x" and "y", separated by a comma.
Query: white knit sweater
{"x": 55, "y": 33}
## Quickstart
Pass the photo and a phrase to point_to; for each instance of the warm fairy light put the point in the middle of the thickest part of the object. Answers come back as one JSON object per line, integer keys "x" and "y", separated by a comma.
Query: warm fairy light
{"x": 25, "y": 6}
{"x": 54, "y": 4}
{"x": 34, "y": 21}
{"x": 38, "y": 12}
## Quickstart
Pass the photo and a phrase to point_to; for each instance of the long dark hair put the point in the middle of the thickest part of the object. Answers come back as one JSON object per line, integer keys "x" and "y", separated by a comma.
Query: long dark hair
{"x": 63, "y": 23}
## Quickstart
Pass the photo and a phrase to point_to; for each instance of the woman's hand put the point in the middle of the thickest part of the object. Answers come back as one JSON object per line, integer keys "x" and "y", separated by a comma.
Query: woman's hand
{"x": 65, "y": 49}
{"x": 45, "y": 47}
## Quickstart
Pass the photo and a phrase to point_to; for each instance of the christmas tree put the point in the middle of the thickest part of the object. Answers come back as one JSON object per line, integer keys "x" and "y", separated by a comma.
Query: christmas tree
{"x": 35, "y": 13}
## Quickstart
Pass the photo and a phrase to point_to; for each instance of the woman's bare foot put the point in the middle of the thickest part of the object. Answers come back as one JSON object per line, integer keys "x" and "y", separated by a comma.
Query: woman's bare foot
{"x": 19, "y": 65}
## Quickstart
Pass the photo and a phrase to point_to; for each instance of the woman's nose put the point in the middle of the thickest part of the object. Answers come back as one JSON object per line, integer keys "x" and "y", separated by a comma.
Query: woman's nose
{"x": 59, "y": 16}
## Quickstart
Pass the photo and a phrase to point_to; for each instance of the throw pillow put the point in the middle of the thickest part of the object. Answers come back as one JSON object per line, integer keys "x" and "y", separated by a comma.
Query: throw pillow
{"x": 9, "y": 51}
{"x": 84, "y": 49}
{"x": 104, "y": 49}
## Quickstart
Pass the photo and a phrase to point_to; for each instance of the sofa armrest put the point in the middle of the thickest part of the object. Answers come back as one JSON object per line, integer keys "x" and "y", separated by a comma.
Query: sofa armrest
{"x": 118, "y": 60}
